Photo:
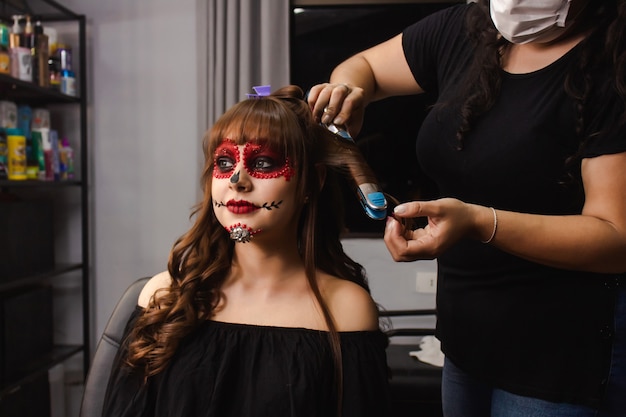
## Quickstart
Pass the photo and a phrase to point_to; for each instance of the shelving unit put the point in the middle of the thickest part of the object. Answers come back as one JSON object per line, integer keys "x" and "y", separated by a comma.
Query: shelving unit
{"x": 74, "y": 192}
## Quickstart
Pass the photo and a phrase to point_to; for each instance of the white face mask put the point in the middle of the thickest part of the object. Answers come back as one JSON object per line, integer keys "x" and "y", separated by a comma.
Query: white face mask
{"x": 523, "y": 21}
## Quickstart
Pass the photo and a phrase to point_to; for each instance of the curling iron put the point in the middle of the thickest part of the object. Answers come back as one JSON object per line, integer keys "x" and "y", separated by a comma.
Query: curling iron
{"x": 370, "y": 194}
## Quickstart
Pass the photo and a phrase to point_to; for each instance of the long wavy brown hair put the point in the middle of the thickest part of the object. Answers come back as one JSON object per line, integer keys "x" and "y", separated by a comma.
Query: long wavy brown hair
{"x": 604, "y": 48}
{"x": 201, "y": 259}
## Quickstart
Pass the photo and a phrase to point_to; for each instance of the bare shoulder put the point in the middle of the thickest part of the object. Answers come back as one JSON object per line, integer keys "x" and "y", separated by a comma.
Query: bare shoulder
{"x": 351, "y": 305}
{"x": 158, "y": 282}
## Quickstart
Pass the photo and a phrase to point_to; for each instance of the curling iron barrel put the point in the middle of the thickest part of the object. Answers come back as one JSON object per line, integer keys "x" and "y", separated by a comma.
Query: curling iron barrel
{"x": 370, "y": 194}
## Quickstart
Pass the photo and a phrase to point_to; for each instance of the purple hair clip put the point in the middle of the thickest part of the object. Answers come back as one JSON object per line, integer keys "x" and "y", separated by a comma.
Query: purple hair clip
{"x": 261, "y": 91}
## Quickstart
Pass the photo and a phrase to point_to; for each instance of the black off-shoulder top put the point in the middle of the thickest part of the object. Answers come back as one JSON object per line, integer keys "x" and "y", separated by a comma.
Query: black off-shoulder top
{"x": 240, "y": 370}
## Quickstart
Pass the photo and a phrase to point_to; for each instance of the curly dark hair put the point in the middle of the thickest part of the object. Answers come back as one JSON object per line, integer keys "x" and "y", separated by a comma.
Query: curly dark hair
{"x": 604, "y": 48}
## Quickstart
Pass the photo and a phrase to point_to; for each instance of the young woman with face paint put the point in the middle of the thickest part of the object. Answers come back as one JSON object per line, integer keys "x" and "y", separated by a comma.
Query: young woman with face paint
{"x": 527, "y": 145}
{"x": 261, "y": 313}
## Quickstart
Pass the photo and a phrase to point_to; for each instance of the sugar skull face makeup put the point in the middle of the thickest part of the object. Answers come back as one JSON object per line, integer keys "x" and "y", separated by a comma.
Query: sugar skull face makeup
{"x": 252, "y": 191}
{"x": 259, "y": 161}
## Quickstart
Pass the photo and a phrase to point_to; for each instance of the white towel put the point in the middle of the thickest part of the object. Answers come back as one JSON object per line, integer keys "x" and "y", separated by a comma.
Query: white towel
{"x": 430, "y": 351}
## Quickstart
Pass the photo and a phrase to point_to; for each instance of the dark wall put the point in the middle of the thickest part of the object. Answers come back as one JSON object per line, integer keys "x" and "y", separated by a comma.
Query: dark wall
{"x": 322, "y": 37}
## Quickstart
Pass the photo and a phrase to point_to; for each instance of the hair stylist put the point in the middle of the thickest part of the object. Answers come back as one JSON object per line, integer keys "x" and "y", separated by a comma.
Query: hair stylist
{"x": 527, "y": 146}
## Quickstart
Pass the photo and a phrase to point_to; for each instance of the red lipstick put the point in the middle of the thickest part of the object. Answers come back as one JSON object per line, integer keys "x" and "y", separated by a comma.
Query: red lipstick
{"x": 241, "y": 207}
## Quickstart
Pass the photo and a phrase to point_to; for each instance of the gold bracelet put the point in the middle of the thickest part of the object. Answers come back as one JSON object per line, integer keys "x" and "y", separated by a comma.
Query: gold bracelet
{"x": 495, "y": 226}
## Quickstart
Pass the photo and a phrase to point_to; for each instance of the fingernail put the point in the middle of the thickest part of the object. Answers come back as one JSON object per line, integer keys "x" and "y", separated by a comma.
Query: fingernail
{"x": 326, "y": 119}
{"x": 338, "y": 120}
{"x": 399, "y": 209}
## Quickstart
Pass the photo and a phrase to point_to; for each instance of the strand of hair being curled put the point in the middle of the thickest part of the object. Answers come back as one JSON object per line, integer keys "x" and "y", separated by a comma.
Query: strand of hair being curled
{"x": 346, "y": 158}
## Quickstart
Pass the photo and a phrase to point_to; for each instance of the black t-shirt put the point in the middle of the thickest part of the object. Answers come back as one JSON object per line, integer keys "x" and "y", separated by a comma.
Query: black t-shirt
{"x": 525, "y": 327}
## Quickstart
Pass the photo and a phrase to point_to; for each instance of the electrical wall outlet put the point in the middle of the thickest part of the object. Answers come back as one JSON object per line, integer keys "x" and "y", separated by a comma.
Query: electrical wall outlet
{"x": 426, "y": 282}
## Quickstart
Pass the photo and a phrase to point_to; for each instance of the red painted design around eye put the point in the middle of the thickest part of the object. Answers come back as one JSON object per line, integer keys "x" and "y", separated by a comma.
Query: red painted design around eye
{"x": 253, "y": 152}
{"x": 227, "y": 149}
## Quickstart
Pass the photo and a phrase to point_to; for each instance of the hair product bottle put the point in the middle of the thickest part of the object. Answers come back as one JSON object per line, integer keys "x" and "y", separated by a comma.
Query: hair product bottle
{"x": 68, "y": 79}
{"x": 41, "y": 70}
{"x": 21, "y": 59}
{"x": 67, "y": 158}
{"x": 37, "y": 145}
{"x": 5, "y": 57}
{"x": 16, "y": 142}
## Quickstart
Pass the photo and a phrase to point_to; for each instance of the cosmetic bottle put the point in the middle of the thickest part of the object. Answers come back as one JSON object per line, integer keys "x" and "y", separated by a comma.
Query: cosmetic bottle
{"x": 15, "y": 34}
{"x": 54, "y": 142}
{"x": 21, "y": 59}
{"x": 48, "y": 154}
{"x": 24, "y": 122}
{"x": 68, "y": 79}
{"x": 68, "y": 82}
{"x": 41, "y": 70}
{"x": 5, "y": 57}
{"x": 41, "y": 118}
{"x": 37, "y": 144}
{"x": 68, "y": 158}
{"x": 28, "y": 42}
{"x": 16, "y": 144}
{"x": 8, "y": 113}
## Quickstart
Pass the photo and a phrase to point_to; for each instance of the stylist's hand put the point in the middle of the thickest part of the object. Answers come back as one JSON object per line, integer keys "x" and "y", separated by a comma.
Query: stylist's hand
{"x": 341, "y": 104}
{"x": 448, "y": 221}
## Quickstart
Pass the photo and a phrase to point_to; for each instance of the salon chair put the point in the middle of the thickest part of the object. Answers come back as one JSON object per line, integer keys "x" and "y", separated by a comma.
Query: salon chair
{"x": 109, "y": 343}
{"x": 414, "y": 386}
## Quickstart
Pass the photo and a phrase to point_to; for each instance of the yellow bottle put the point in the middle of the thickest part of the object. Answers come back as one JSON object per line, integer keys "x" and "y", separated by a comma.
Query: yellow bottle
{"x": 16, "y": 144}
